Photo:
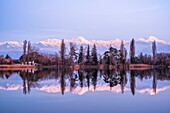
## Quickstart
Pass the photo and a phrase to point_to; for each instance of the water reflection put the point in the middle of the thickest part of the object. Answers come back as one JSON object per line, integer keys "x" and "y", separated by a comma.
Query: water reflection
{"x": 81, "y": 81}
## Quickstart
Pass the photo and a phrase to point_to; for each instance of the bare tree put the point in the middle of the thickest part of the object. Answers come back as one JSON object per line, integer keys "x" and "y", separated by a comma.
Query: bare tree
{"x": 33, "y": 53}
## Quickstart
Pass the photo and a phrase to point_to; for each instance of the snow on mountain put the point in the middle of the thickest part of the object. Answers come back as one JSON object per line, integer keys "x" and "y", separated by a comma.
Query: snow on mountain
{"x": 50, "y": 42}
{"x": 152, "y": 39}
{"x": 80, "y": 40}
{"x": 10, "y": 45}
{"x": 15, "y": 49}
{"x": 80, "y": 91}
{"x": 12, "y": 48}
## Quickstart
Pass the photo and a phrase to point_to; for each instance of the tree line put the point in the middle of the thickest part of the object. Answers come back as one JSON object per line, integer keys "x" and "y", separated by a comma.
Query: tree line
{"x": 87, "y": 56}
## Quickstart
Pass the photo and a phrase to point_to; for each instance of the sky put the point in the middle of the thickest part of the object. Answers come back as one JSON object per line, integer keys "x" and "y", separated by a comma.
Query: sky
{"x": 37, "y": 20}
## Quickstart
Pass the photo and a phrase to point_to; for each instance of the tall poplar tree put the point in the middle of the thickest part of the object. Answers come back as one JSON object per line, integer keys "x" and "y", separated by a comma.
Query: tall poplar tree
{"x": 63, "y": 52}
{"x": 154, "y": 49}
{"x": 28, "y": 52}
{"x": 24, "y": 51}
{"x": 132, "y": 51}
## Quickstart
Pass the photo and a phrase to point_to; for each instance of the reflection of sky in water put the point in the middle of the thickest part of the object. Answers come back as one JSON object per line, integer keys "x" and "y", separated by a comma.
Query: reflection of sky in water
{"x": 46, "y": 96}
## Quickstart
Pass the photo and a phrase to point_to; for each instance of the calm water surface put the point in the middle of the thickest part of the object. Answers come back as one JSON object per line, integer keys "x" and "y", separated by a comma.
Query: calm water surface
{"x": 85, "y": 91}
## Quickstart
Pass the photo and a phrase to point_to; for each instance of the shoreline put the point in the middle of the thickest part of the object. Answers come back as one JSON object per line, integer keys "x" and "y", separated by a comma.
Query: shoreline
{"x": 16, "y": 67}
{"x": 77, "y": 67}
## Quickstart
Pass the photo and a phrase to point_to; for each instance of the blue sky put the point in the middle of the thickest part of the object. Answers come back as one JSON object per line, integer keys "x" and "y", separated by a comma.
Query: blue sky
{"x": 37, "y": 20}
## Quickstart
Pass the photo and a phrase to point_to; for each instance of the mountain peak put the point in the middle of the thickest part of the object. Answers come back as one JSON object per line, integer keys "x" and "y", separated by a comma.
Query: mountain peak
{"x": 11, "y": 43}
{"x": 50, "y": 41}
{"x": 80, "y": 39}
{"x": 152, "y": 39}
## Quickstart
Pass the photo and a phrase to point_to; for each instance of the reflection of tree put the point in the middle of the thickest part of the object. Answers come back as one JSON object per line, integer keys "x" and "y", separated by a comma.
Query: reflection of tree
{"x": 30, "y": 78}
{"x": 62, "y": 82}
{"x": 88, "y": 78}
{"x": 28, "y": 81}
{"x": 106, "y": 76}
{"x": 94, "y": 78}
{"x": 163, "y": 74}
{"x": 7, "y": 73}
{"x": 132, "y": 82}
{"x": 81, "y": 77}
{"x": 73, "y": 79}
{"x": 25, "y": 75}
{"x": 111, "y": 77}
{"x": 123, "y": 80}
{"x": 1, "y": 74}
{"x": 24, "y": 82}
{"x": 144, "y": 74}
{"x": 114, "y": 78}
{"x": 154, "y": 84}
{"x": 91, "y": 76}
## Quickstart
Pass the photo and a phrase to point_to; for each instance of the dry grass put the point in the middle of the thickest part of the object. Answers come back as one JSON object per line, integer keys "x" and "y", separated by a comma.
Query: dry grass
{"x": 16, "y": 67}
{"x": 140, "y": 66}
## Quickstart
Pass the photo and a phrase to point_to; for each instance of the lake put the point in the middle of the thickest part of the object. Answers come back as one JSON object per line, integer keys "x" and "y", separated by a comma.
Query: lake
{"x": 85, "y": 91}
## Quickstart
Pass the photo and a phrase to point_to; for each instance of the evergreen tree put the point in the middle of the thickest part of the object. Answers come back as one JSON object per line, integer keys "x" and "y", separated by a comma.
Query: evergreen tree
{"x": 123, "y": 53}
{"x": 114, "y": 55}
{"x": 81, "y": 55}
{"x": 94, "y": 55}
{"x": 88, "y": 55}
{"x": 122, "y": 46}
{"x": 73, "y": 54}
{"x": 141, "y": 58}
{"x": 8, "y": 60}
{"x": 111, "y": 56}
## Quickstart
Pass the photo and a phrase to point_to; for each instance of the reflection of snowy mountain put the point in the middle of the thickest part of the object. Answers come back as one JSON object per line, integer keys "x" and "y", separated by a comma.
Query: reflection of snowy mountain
{"x": 14, "y": 49}
{"x": 54, "y": 86}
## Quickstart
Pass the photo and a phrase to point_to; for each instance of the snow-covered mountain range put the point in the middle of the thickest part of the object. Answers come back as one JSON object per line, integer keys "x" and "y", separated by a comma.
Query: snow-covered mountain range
{"x": 14, "y": 49}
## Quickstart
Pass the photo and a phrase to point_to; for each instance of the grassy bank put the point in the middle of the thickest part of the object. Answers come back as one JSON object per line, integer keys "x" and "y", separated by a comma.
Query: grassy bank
{"x": 16, "y": 67}
{"x": 77, "y": 67}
